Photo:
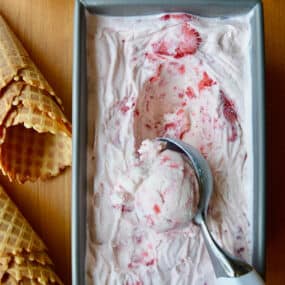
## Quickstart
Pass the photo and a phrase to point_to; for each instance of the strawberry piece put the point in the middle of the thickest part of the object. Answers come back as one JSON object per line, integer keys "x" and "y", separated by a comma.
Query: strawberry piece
{"x": 230, "y": 115}
{"x": 206, "y": 82}
{"x": 156, "y": 209}
{"x": 165, "y": 158}
{"x": 165, "y": 17}
{"x": 228, "y": 109}
{"x": 144, "y": 253}
{"x": 180, "y": 112}
{"x": 161, "y": 48}
{"x": 124, "y": 109}
{"x": 150, "y": 263}
{"x": 174, "y": 165}
{"x": 149, "y": 220}
{"x": 169, "y": 126}
{"x": 157, "y": 74}
{"x": 183, "y": 17}
{"x": 190, "y": 43}
{"x": 190, "y": 93}
{"x": 181, "y": 69}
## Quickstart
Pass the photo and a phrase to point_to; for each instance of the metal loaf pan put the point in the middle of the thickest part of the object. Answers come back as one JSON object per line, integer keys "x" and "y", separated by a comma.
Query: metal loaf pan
{"x": 209, "y": 8}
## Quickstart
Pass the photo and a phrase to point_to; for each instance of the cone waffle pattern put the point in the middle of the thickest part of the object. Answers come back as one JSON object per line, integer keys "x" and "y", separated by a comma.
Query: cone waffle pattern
{"x": 13, "y": 57}
{"x": 49, "y": 152}
{"x": 35, "y": 136}
{"x": 13, "y": 90}
{"x": 23, "y": 257}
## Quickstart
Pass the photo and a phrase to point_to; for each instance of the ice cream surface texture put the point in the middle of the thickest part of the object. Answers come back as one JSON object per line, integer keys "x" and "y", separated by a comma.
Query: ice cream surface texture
{"x": 180, "y": 76}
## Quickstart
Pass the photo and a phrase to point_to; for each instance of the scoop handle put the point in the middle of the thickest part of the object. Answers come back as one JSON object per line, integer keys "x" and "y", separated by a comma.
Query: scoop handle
{"x": 251, "y": 278}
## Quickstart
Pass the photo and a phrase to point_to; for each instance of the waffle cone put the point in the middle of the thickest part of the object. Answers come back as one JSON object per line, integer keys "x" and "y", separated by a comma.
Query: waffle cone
{"x": 40, "y": 257}
{"x": 13, "y": 56}
{"x": 23, "y": 257}
{"x": 9, "y": 280}
{"x": 32, "y": 76}
{"x": 12, "y": 281}
{"x": 35, "y": 136}
{"x": 13, "y": 90}
{"x": 37, "y": 110}
{"x": 27, "y": 154}
{"x": 16, "y": 235}
{"x": 33, "y": 272}
{"x": 15, "y": 63}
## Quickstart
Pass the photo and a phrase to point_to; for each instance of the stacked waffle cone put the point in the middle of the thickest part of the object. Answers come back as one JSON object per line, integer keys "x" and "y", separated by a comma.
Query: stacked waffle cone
{"x": 23, "y": 257}
{"x": 35, "y": 136}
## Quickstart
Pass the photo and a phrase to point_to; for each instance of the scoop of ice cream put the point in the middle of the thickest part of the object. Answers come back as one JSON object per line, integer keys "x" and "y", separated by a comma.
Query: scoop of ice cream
{"x": 166, "y": 199}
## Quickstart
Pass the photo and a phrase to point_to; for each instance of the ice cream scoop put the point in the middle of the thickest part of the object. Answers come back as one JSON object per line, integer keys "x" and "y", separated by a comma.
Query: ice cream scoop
{"x": 229, "y": 270}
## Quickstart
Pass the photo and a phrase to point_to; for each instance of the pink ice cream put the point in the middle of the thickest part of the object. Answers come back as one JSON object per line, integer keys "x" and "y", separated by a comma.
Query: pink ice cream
{"x": 179, "y": 76}
{"x": 167, "y": 196}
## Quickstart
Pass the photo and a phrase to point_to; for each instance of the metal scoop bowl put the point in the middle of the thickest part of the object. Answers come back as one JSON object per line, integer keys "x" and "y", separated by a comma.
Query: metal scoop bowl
{"x": 229, "y": 270}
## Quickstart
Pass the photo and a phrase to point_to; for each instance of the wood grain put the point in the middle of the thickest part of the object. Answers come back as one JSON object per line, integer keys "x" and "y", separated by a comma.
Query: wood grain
{"x": 275, "y": 102}
{"x": 46, "y": 29}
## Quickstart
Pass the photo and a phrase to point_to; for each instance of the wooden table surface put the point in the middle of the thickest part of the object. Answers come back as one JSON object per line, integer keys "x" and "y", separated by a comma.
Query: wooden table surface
{"x": 46, "y": 29}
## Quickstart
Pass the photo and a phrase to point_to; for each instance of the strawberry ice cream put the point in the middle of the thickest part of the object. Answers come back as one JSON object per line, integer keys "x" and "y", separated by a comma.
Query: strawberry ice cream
{"x": 179, "y": 76}
{"x": 167, "y": 197}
